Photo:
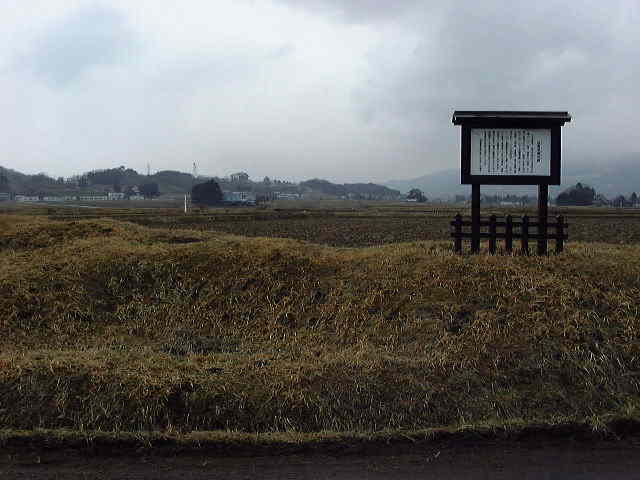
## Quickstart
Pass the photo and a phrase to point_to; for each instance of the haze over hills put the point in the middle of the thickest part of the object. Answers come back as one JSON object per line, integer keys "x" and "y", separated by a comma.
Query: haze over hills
{"x": 621, "y": 178}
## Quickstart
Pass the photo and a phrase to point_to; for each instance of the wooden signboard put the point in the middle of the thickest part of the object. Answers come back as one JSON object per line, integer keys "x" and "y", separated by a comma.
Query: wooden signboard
{"x": 510, "y": 148}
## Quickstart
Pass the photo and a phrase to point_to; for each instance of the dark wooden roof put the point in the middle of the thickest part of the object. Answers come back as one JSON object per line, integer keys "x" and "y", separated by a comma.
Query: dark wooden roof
{"x": 462, "y": 116}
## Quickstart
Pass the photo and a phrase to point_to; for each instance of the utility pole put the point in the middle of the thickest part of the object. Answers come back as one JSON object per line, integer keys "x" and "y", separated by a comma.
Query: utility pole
{"x": 194, "y": 175}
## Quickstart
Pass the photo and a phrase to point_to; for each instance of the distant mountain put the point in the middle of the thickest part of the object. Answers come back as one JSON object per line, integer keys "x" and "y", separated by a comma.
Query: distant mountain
{"x": 623, "y": 177}
{"x": 363, "y": 191}
{"x": 174, "y": 182}
{"x": 168, "y": 181}
{"x": 15, "y": 182}
{"x": 610, "y": 180}
{"x": 443, "y": 184}
{"x": 371, "y": 191}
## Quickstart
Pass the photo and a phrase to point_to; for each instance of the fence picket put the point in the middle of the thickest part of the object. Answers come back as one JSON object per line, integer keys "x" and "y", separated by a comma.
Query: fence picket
{"x": 458, "y": 233}
{"x": 525, "y": 235}
{"x": 560, "y": 233}
{"x": 492, "y": 234}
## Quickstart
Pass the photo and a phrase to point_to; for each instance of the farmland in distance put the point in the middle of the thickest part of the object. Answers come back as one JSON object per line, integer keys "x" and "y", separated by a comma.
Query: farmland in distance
{"x": 354, "y": 224}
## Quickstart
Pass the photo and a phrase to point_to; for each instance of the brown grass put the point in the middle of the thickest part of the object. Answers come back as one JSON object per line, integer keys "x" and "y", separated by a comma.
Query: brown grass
{"x": 109, "y": 326}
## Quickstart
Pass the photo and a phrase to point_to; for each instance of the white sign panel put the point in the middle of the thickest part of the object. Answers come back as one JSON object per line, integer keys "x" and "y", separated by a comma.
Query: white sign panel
{"x": 510, "y": 151}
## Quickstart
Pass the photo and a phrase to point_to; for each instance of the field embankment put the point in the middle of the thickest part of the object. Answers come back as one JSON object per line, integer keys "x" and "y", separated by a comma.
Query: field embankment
{"x": 110, "y": 326}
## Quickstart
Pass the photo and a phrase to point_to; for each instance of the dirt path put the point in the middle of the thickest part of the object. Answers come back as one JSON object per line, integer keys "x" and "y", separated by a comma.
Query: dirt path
{"x": 565, "y": 462}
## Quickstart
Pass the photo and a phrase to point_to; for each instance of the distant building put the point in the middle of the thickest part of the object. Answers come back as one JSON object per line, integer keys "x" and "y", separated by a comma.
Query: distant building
{"x": 116, "y": 196}
{"x": 239, "y": 177}
{"x": 93, "y": 198}
{"x": 65, "y": 198}
{"x": 242, "y": 198}
{"x": 136, "y": 197}
{"x": 5, "y": 197}
{"x": 601, "y": 201}
{"x": 27, "y": 198}
{"x": 287, "y": 196}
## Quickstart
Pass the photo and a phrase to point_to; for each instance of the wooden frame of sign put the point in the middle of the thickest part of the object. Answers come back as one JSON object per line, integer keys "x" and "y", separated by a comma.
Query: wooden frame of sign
{"x": 510, "y": 148}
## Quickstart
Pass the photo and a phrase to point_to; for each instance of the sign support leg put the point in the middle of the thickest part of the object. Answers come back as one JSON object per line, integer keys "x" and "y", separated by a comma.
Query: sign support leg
{"x": 543, "y": 200}
{"x": 475, "y": 218}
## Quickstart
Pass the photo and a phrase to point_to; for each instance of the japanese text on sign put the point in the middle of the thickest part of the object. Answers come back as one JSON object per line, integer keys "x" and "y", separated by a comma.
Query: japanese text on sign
{"x": 510, "y": 151}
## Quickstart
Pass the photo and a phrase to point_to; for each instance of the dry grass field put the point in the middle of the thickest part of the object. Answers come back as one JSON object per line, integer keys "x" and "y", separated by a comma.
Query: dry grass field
{"x": 371, "y": 325}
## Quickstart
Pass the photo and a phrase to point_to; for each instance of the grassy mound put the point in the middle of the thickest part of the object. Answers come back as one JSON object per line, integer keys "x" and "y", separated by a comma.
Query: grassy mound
{"x": 105, "y": 325}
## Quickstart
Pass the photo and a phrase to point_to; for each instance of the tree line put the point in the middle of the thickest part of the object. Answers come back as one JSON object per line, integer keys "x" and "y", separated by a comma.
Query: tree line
{"x": 585, "y": 195}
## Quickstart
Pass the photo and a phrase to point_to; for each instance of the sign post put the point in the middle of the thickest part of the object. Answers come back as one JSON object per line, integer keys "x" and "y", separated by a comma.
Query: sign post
{"x": 510, "y": 148}
{"x": 475, "y": 217}
{"x": 543, "y": 211}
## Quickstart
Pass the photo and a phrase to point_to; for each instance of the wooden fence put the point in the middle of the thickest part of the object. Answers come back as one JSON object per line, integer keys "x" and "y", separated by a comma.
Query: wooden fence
{"x": 512, "y": 229}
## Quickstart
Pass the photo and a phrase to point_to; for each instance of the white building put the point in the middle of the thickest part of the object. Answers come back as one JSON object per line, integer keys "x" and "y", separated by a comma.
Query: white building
{"x": 93, "y": 198}
{"x": 67, "y": 198}
{"x": 288, "y": 196}
{"x": 116, "y": 196}
{"x": 27, "y": 198}
{"x": 239, "y": 177}
{"x": 239, "y": 197}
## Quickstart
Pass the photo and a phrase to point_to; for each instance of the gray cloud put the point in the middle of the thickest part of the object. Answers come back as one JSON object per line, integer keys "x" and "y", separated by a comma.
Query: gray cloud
{"x": 579, "y": 56}
{"x": 493, "y": 55}
{"x": 91, "y": 36}
{"x": 345, "y": 89}
{"x": 358, "y": 11}
{"x": 525, "y": 56}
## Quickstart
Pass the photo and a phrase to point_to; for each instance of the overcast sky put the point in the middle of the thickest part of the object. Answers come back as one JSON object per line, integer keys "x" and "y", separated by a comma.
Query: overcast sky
{"x": 349, "y": 90}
